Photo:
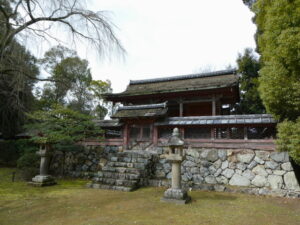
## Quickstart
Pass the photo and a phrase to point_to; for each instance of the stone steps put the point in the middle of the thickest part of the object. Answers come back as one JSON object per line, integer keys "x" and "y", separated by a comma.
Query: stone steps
{"x": 128, "y": 176}
{"x": 124, "y": 171}
{"x": 118, "y": 182}
{"x": 112, "y": 187}
{"x": 127, "y": 165}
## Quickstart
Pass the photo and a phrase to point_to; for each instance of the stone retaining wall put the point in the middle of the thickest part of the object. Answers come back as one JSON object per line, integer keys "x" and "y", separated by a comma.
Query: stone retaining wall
{"x": 251, "y": 171}
{"x": 256, "y": 172}
{"x": 83, "y": 163}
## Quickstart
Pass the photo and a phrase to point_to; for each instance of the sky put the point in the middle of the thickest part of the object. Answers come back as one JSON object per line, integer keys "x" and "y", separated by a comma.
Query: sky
{"x": 171, "y": 37}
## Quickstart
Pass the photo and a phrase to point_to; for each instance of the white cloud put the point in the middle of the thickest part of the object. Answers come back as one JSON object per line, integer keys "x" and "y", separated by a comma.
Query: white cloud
{"x": 169, "y": 37}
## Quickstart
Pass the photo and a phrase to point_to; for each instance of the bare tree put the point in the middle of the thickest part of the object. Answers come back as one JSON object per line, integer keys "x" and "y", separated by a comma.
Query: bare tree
{"x": 42, "y": 20}
{"x": 37, "y": 18}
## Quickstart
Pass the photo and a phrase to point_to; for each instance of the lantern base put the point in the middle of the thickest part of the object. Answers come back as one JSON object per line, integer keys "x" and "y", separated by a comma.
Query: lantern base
{"x": 177, "y": 196}
{"x": 42, "y": 180}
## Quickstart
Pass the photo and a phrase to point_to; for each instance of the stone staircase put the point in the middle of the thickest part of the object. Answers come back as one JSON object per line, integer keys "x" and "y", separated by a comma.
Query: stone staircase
{"x": 124, "y": 171}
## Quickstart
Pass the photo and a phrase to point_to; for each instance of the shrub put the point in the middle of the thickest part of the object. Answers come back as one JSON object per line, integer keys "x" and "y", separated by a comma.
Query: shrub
{"x": 289, "y": 138}
{"x": 29, "y": 161}
{"x": 8, "y": 153}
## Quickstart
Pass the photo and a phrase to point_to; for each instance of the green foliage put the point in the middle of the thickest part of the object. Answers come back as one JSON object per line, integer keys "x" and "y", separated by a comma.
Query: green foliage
{"x": 20, "y": 153}
{"x": 278, "y": 40}
{"x": 78, "y": 76}
{"x": 8, "y": 153}
{"x": 101, "y": 107}
{"x": 73, "y": 85}
{"x": 249, "y": 3}
{"x": 61, "y": 125}
{"x": 28, "y": 157}
{"x": 71, "y": 77}
{"x": 54, "y": 56}
{"x": 28, "y": 160}
{"x": 289, "y": 138}
{"x": 248, "y": 67}
{"x": 279, "y": 43}
{"x": 17, "y": 67}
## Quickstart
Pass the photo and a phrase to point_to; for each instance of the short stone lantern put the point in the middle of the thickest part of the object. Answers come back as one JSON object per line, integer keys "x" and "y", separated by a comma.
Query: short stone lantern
{"x": 43, "y": 179}
{"x": 175, "y": 156}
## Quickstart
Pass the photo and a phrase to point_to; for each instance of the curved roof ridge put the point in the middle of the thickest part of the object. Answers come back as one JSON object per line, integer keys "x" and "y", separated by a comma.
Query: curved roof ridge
{"x": 148, "y": 106}
{"x": 183, "y": 77}
{"x": 225, "y": 120}
{"x": 235, "y": 116}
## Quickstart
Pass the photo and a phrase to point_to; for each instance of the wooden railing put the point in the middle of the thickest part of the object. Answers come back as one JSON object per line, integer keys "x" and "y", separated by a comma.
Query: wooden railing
{"x": 104, "y": 142}
{"x": 259, "y": 144}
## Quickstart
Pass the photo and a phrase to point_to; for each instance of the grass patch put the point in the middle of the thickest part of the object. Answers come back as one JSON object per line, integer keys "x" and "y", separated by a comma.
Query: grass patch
{"x": 19, "y": 189}
{"x": 71, "y": 203}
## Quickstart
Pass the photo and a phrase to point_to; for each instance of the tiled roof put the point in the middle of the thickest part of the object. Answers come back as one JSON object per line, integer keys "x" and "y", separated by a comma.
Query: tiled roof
{"x": 183, "y": 77}
{"x": 108, "y": 123}
{"x": 191, "y": 82}
{"x": 219, "y": 120}
{"x": 133, "y": 111}
{"x": 148, "y": 106}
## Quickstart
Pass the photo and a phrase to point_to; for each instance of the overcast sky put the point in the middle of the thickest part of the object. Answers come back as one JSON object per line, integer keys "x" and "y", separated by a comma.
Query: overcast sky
{"x": 172, "y": 37}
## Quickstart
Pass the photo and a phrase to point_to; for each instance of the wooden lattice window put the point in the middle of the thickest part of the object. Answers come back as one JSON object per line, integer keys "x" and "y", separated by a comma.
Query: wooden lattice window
{"x": 236, "y": 133}
{"x": 165, "y": 132}
{"x": 261, "y": 132}
{"x": 140, "y": 132}
{"x": 197, "y": 133}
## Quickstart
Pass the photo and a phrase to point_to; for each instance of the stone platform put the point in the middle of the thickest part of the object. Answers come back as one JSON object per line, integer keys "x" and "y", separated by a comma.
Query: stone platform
{"x": 178, "y": 196}
{"x": 42, "y": 180}
{"x": 124, "y": 171}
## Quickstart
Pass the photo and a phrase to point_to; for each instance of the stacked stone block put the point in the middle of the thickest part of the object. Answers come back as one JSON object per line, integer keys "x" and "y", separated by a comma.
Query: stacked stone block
{"x": 81, "y": 163}
{"x": 124, "y": 171}
{"x": 256, "y": 172}
{"x": 250, "y": 171}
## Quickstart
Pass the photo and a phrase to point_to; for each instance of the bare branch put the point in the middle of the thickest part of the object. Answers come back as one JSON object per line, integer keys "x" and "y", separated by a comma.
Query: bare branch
{"x": 29, "y": 9}
{"x": 97, "y": 30}
{"x": 17, "y": 7}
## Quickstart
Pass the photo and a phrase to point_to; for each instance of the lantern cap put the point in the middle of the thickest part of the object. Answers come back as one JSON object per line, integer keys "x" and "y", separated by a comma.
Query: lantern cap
{"x": 175, "y": 141}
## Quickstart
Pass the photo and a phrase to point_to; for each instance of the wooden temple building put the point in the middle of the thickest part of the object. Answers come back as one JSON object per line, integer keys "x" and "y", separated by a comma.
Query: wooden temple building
{"x": 200, "y": 105}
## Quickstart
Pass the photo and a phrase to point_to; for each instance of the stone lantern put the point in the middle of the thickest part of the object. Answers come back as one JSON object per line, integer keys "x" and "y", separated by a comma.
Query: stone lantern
{"x": 175, "y": 156}
{"x": 43, "y": 179}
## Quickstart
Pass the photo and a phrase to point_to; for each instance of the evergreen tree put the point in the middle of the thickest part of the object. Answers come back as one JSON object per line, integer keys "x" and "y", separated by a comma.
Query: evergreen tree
{"x": 278, "y": 40}
{"x": 248, "y": 67}
{"x": 72, "y": 84}
{"x": 16, "y": 88}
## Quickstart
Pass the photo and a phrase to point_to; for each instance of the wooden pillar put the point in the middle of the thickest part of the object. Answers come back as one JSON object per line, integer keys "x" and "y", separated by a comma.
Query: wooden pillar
{"x": 218, "y": 106}
{"x": 213, "y": 105}
{"x": 180, "y": 108}
{"x": 125, "y": 137}
{"x": 213, "y": 110}
{"x": 212, "y": 133}
{"x": 245, "y": 133}
{"x": 155, "y": 135}
{"x": 141, "y": 132}
{"x": 228, "y": 133}
{"x": 181, "y": 130}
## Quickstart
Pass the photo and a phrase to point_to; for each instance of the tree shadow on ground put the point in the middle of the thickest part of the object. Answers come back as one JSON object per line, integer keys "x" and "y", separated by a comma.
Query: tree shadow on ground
{"x": 213, "y": 196}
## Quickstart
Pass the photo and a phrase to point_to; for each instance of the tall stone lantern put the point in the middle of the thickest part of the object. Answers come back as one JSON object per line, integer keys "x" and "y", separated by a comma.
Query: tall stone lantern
{"x": 175, "y": 156}
{"x": 43, "y": 179}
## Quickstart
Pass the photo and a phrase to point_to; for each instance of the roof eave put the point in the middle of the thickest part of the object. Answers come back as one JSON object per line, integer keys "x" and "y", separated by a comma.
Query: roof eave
{"x": 115, "y": 96}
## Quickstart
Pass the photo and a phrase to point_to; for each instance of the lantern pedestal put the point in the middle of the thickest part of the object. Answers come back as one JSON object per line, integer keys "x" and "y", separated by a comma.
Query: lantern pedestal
{"x": 175, "y": 156}
{"x": 177, "y": 196}
{"x": 42, "y": 180}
